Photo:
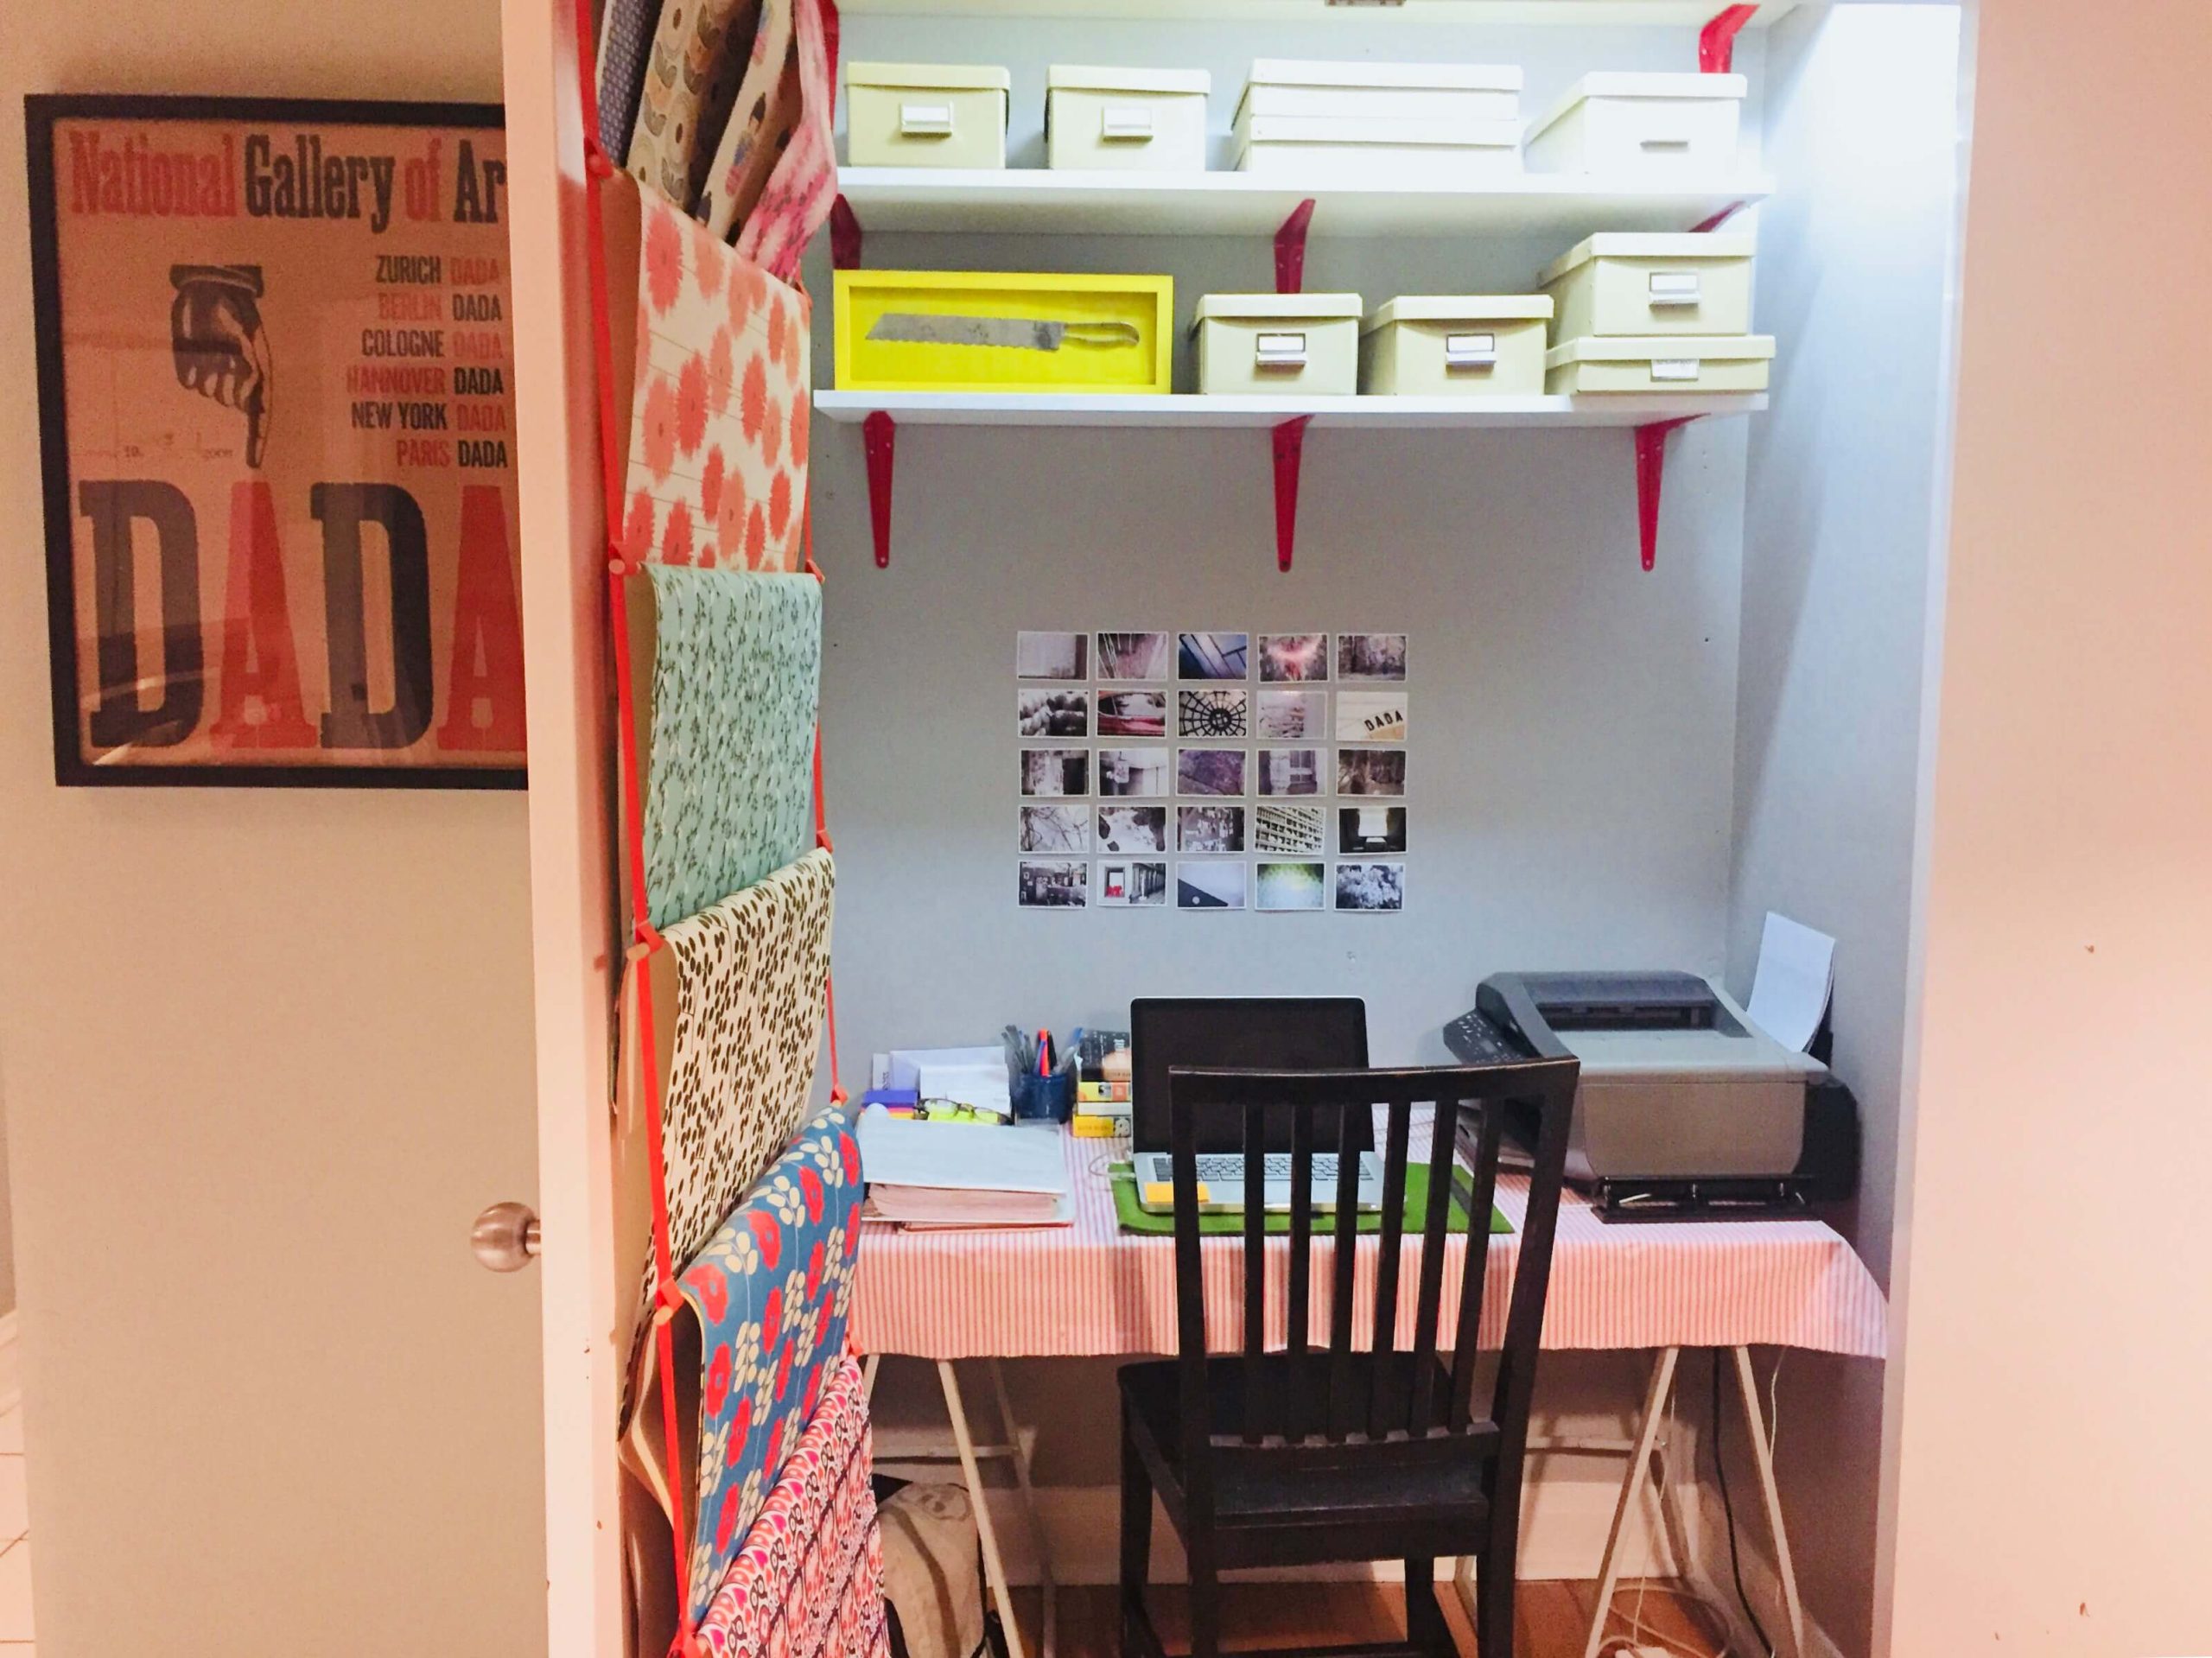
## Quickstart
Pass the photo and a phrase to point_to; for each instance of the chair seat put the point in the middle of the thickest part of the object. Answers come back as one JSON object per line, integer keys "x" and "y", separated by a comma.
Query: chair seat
{"x": 1433, "y": 1485}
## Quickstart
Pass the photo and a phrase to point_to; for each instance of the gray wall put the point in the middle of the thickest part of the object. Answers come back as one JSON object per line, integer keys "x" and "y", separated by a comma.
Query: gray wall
{"x": 1855, "y": 258}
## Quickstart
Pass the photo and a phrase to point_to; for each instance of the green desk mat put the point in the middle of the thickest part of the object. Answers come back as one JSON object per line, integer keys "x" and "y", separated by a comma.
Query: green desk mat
{"x": 1134, "y": 1218}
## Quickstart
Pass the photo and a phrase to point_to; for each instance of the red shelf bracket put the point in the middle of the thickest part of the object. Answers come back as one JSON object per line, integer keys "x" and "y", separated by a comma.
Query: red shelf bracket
{"x": 1290, "y": 449}
{"x": 1650, "y": 472}
{"x": 880, "y": 437}
{"x": 844, "y": 235}
{"x": 1716, "y": 41}
{"x": 1290, "y": 248}
{"x": 1288, "y": 438}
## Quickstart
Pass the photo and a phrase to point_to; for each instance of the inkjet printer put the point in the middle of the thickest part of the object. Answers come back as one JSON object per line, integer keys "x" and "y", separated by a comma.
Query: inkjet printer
{"x": 1685, "y": 1106}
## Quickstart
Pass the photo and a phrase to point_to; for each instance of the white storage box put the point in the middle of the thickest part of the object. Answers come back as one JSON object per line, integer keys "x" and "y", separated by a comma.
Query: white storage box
{"x": 1304, "y": 345}
{"x": 1625, "y": 282}
{"x": 1670, "y": 363}
{"x": 1136, "y": 119}
{"x": 1386, "y": 92}
{"x": 1380, "y": 154}
{"x": 1642, "y": 125}
{"x": 925, "y": 115}
{"x": 1425, "y": 345}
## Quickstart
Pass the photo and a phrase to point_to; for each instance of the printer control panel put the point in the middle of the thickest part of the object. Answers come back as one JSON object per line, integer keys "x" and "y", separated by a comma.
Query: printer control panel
{"x": 1474, "y": 1040}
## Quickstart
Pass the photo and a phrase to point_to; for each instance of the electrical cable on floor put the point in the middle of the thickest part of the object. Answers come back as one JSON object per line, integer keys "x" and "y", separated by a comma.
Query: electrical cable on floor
{"x": 1728, "y": 1508}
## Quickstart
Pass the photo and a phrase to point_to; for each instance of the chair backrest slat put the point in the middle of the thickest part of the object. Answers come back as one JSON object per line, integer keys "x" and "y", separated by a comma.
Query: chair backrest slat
{"x": 1397, "y": 1122}
{"x": 1297, "y": 1335}
{"x": 1256, "y": 1402}
{"x": 1343, "y": 1256}
{"x": 1429, "y": 1308}
{"x": 1345, "y": 1397}
{"x": 1474, "y": 1268}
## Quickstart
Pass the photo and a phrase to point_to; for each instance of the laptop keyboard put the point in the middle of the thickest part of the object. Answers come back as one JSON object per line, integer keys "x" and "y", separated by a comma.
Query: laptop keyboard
{"x": 1227, "y": 1168}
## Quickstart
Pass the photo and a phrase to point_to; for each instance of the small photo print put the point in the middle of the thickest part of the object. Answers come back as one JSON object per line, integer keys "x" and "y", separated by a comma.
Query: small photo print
{"x": 1287, "y": 829}
{"x": 1290, "y": 771}
{"x": 1209, "y": 886}
{"x": 1058, "y": 885}
{"x": 1222, "y": 713}
{"x": 1370, "y": 771}
{"x": 1131, "y": 828}
{"x": 1370, "y": 716}
{"x": 1132, "y": 714}
{"x": 1135, "y": 656}
{"x": 1370, "y": 656}
{"x": 1053, "y": 713}
{"x": 1132, "y": 885}
{"x": 1139, "y": 773}
{"x": 1056, "y": 828}
{"x": 1211, "y": 655}
{"x": 1288, "y": 716}
{"x": 1051, "y": 656}
{"x": 1374, "y": 887}
{"x": 1370, "y": 828}
{"x": 1210, "y": 771}
{"x": 1051, "y": 774}
{"x": 1210, "y": 829}
{"x": 1293, "y": 887}
{"x": 1287, "y": 658}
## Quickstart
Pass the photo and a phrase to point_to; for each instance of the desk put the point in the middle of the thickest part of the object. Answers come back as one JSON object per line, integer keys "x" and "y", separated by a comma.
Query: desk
{"x": 1091, "y": 1289}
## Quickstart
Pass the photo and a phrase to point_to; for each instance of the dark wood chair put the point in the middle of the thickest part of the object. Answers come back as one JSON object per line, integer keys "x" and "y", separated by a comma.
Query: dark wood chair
{"x": 1317, "y": 1453}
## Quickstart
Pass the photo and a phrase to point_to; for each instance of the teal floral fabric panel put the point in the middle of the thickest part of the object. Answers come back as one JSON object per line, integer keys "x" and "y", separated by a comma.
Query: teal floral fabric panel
{"x": 736, "y": 685}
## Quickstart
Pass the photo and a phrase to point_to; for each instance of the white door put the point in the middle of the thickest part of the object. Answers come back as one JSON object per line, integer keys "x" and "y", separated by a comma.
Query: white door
{"x": 576, "y": 955}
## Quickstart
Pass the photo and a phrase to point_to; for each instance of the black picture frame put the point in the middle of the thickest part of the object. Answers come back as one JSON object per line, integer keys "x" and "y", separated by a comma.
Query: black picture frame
{"x": 41, "y": 112}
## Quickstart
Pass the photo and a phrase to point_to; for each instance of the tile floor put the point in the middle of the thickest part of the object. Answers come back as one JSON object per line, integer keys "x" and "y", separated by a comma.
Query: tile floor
{"x": 15, "y": 1541}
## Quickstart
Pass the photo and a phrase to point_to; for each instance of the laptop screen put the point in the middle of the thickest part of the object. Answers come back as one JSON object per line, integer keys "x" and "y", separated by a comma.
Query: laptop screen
{"x": 1258, "y": 1032}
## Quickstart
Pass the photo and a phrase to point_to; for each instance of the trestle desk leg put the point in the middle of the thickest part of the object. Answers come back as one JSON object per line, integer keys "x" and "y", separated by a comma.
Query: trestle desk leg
{"x": 1639, "y": 1462}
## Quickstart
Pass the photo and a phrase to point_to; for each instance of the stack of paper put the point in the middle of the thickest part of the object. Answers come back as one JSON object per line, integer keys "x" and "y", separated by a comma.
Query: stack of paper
{"x": 955, "y": 1174}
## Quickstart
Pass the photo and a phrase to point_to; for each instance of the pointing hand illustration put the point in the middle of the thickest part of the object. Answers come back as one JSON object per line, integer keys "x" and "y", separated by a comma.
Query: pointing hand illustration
{"x": 221, "y": 352}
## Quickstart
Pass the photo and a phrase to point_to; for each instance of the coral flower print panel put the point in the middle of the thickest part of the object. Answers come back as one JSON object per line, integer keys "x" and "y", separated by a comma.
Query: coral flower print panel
{"x": 716, "y": 469}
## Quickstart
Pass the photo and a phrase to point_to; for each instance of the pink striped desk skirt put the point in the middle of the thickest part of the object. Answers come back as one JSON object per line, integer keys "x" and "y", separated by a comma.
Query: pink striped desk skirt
{"x": 1091, "y": 1288}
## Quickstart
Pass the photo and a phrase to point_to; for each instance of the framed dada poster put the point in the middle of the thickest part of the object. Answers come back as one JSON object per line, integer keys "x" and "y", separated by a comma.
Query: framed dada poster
{"x": 278, "y": 431}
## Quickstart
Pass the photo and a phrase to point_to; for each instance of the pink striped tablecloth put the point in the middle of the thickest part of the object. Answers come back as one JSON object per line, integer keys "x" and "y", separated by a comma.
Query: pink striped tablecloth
{"x": 1091, "y": 1288}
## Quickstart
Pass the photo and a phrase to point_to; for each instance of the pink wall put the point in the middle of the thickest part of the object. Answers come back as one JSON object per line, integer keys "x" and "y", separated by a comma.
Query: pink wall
{"x": 2051, "y": 1473}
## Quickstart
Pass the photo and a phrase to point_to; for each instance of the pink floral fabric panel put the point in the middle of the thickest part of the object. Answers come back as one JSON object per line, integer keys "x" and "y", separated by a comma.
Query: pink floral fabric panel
{"x": 719, "y": 427}
{"x": 799, "y": 191}
{"x": 808, "y": 1580}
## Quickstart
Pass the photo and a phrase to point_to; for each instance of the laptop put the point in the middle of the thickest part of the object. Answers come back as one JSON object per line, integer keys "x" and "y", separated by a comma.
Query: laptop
{"x": 1247, "y": 1032}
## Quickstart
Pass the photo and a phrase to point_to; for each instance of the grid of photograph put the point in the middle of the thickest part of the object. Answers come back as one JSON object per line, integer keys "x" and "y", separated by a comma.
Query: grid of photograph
{"x": 1212, "y": 771}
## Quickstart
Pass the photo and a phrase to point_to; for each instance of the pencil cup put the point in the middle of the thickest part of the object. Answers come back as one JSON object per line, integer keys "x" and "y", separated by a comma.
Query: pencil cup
{"x": 1044, "y": 1099}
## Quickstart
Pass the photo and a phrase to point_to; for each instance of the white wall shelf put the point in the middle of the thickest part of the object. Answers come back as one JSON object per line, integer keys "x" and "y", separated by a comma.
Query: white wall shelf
{"x": 1581, "y": 13}
{"x": 1382, "y": 413}
{"x": 1027, "y": 201}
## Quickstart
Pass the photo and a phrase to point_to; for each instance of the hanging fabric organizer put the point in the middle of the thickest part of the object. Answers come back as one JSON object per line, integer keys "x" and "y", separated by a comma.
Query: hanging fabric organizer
{"x": 761, "y": 1331}
{"x": 702, "y": 366}
{"x": 726, "y": 670}
{"x": 805, "y": 1585}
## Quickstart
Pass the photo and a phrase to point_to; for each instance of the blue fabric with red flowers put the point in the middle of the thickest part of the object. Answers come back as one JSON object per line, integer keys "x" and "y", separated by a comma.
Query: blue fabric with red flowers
{"x": 771, "y": 1294}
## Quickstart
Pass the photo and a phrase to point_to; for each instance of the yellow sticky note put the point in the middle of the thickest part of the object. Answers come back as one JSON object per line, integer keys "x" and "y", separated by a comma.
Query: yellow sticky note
{"x": 1163, "y": 1191}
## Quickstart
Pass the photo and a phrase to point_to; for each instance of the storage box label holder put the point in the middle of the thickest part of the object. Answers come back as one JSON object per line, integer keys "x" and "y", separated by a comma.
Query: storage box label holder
{"x": 926, "y": 120}
{"x": 1673, "y": 288}
{"x": 1125, "y": 123}
{"x": 1470, "y": 350}
{"x": 1279, "y": 351}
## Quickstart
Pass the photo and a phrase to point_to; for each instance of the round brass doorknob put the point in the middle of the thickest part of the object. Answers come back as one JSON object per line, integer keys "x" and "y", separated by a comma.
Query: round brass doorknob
{"x": 505, "y": 1237}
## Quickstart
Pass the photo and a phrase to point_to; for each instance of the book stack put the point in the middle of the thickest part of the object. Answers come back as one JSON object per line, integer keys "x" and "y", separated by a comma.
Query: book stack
{"x": 1102, "y": 1085}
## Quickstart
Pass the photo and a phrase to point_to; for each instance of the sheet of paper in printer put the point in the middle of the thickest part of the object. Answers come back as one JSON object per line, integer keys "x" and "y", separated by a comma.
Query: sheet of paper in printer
{"x": 1790, "y": 988}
